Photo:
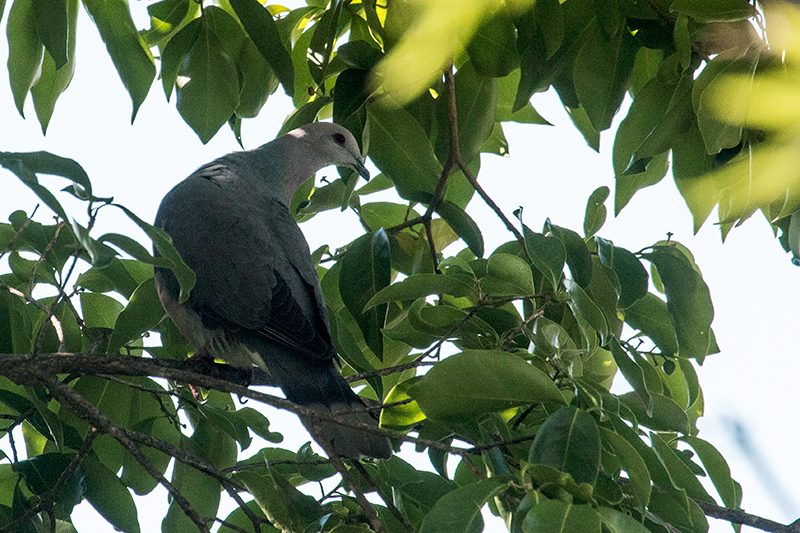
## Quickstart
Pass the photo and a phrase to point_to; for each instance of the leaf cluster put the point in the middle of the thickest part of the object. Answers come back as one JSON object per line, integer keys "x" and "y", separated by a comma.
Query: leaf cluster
{"x": 524, "y": 341}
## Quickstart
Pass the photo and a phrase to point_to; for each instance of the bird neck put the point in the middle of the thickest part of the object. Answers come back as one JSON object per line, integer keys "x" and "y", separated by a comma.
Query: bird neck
{"x": 284, "y": 164}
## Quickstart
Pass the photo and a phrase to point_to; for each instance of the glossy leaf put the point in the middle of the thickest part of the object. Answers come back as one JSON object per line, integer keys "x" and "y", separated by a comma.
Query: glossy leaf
{"x": 717, "y": 468}
{"x": 632, "y": 463}
{"x": 714, "y": 10}
{"x": 555, "y": 515}
{"x": 143, "y": 313}
{"x": 107, "y": 494}
{"x": 596, "y": 211}
{"x": 52, "y": 28}
{"x": 679, "y": 472}
{"x": 666, "y": 414}
{"x": 421, "y": 285}
{"x": 131, "y": 57}
{"x": 570, "y": 442}
{"x": 688, "y": 301}
{"x": 174, "y": 53}
{"x": 365, "y": 271}
{"x": 283, "y": 504}
{"x": 618, "y": 522}
{"x": 493, "y": 47}
{"x": 25, "y": 51}
{"x": 459, "y": 511}
{"x": 401, "y": 150}
{"x": 261, "y": 28}
{"x": 583, "y": 305}
{"x": 644, "y": 173}
{"x": 211, "y": 92}
{"x": 401, "y": 415}
{"x": 602, "y": 70}
{"x": 42, "y": 472}
{"x": 466, "y": 385}
{"x": 463, "y": 225}
{"x": 547, "y": 253}
{"x": 632, "y": 276}
{"x": 578, "y": 258}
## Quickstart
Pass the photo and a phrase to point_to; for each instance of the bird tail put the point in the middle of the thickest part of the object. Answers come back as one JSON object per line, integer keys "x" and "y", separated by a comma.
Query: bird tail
{"x": 318, "y": 385}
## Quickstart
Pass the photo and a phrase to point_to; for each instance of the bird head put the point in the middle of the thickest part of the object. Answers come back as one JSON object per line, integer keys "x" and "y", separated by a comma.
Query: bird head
{"x": 333, "y": 144}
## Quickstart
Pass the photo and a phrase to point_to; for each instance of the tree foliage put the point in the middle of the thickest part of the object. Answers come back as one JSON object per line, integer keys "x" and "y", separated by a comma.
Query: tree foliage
{"x": 524, "y": 340}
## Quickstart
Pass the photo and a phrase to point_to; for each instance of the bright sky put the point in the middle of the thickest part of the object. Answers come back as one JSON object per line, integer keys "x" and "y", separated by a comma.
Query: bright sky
{"x": 550, "y": 173}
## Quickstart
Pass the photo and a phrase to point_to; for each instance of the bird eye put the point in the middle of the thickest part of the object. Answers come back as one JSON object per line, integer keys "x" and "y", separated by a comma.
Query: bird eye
{"x": 338, "y": 138}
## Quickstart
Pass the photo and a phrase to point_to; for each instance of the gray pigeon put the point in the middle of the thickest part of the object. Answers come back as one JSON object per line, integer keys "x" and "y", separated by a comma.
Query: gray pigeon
{"x": 257, "y": 299}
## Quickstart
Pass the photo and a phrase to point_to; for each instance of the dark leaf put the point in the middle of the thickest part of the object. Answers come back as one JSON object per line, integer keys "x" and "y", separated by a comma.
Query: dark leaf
{"x": 260, "y": 26}
{"x": 365, "y": 271}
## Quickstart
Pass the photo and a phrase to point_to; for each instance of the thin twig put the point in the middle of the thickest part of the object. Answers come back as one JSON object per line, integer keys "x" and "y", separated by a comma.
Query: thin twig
{"x": 386, "y": 499}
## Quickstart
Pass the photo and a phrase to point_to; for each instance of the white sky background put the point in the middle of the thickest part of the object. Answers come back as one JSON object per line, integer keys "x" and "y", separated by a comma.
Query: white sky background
{"x": 550, "y": 173}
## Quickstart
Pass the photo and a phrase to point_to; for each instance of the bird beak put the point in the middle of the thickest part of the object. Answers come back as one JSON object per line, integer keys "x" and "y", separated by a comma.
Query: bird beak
{"x": 359, "y": 167}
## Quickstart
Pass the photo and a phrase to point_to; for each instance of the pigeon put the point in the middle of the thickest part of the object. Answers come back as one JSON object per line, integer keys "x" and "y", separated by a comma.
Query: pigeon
{"x": 257, "y": 299}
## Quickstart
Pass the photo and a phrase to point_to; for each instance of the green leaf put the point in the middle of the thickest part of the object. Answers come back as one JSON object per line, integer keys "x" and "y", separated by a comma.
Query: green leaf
{"x": 475, "y": 382}
{"x": 633, "y": 373}
{"x": 618, "y": 522}
{"x": 259, "y": 423}
{"x": 420, "y": 285}
{"x": 633, "y": 464}
{"x": 175, "y": 51}
{"x": 463, "y": 225}
{"x": 167, "y": 252}
{"x": 127, "y": 49}
{"x": 51, "y": 27}
{"x": 690, "y": 162}
{"x": 506, "y": 93}
{"x": 555, "y": 515}
{"x": 401, "y": 416}
{"x": 596, "y": 211}
{"x": 143, "y": 313}
{"x": 493, "y": 48}
{"x": 714, "y": 10}
{"x": 718, "y": 133}
{"x": 678, "y": 471}
{"x": 201, "y": 490}
{"x": 547, "y": 254}
{"x": 43, "y": 471}
{"x": 632, "y": 276}
{"x": 643, "y": 173}
{"x": 25, "y": 51}
{"x": 99, "y": 310}
{"x": 107, "y": 494}
{"x": 320, "y": 48}
{"x": 550, "y": 20}
{"x": 476, "y": 102}
{"x": 401, "y": 150}
{"x": 579, "y": 260}
{"x": 601, "y": 73}
{"x": 688, "y": 300}
{"x": 284, "y": 505}
{"x": 211, "y": 93}
{"x": 570, "y": 442}
{"x": 717, "y": 468}
{"x": 666, "y": 414}
{"x": 166, "y": 17}
{"x": 658, "y": 473}
{"x": 650, "y": 316}
{"x": 349, "y": 99}
{"x": 459, "y": 511}
{"x": 660, "y": 115}
{"x": 260, "y": 26}
{"x": 52, "y": 81}
{"x": 365, "y": 271}
{"x": 581, "y": 121}
{"x": 581, "y": 304}
{"x": 513, "y": 273}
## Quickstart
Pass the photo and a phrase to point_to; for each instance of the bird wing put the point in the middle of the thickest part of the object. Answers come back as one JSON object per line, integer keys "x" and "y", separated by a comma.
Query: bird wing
{"x": 254, "y": 272}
